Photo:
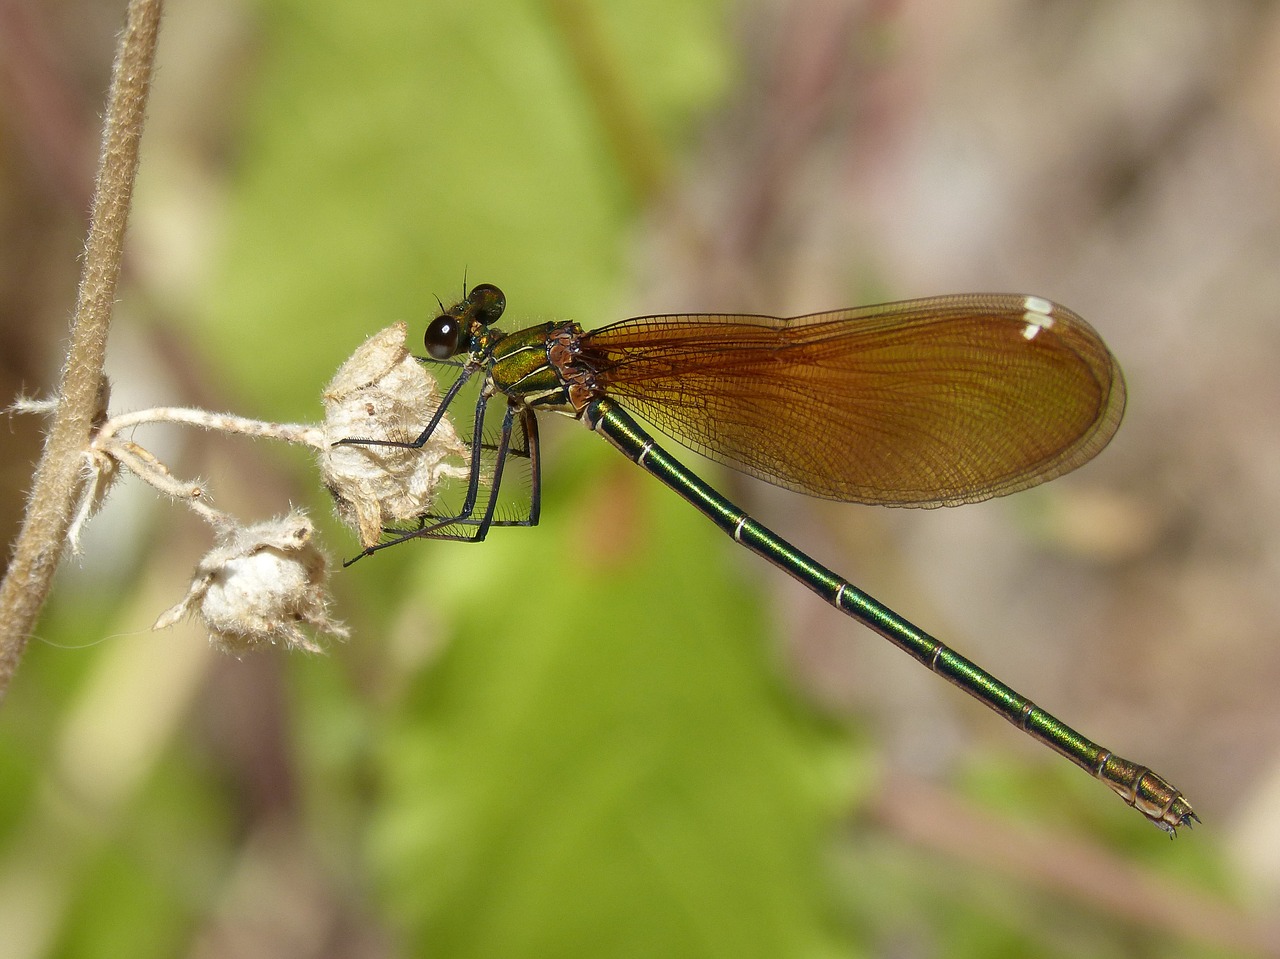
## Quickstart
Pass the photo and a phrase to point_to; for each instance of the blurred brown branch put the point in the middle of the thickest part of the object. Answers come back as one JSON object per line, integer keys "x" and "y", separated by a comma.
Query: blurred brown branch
{"x": 81, "y": 395}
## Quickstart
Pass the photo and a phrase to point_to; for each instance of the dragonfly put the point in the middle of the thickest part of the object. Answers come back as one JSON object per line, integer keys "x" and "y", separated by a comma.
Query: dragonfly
{"x": 929, "y": 402}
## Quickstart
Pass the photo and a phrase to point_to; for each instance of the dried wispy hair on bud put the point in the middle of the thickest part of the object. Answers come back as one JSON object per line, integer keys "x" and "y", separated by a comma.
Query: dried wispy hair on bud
{"x": 261, "y": 585}
{"x": 382, "y": 392}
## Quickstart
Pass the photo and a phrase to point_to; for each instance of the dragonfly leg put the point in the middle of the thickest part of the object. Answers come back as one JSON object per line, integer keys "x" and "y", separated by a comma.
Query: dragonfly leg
{"x": 438, "y": 527}
{"x": 436, "y": 417}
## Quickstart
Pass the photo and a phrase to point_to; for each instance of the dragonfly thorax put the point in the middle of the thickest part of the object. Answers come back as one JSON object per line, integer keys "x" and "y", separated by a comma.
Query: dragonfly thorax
{"x": 537, "y": 366}
{"x": 572, "y": 366}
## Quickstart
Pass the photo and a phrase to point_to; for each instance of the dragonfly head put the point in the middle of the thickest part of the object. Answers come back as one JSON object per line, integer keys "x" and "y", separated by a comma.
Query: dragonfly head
{"x": 450, "y": 333}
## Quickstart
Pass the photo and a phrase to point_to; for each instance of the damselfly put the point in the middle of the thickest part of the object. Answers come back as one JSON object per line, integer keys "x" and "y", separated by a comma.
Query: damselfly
{"x": 930, "y": 402}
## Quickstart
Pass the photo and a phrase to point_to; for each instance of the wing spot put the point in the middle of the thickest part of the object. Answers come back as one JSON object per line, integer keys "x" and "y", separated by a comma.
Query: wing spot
{"x": 1038, "y": 314}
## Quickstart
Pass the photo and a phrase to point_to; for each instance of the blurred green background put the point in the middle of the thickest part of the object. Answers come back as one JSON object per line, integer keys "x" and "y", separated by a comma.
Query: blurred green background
{"x": 616, "y": 734}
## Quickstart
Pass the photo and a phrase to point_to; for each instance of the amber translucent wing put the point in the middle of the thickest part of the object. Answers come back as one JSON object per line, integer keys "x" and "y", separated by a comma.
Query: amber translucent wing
{"x": 931, "y": 402}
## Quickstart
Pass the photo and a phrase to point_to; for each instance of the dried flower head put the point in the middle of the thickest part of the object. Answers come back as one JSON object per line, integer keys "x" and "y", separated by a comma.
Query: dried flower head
{"x": 261, "y": 585}
{"x": 383, "y": 393}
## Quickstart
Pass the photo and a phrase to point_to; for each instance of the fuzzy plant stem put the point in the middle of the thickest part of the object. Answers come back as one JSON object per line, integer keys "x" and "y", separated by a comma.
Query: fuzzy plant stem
{"x": 56, "y": 487}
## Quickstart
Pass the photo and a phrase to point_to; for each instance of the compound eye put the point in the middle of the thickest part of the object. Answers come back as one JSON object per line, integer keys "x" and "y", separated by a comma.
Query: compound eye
{"x": 442, "y": 337}
{"x": 488, "y": 302}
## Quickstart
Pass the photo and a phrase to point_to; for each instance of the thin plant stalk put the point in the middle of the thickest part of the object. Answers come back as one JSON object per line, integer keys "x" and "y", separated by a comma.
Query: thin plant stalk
{"x": 55, "y": 490}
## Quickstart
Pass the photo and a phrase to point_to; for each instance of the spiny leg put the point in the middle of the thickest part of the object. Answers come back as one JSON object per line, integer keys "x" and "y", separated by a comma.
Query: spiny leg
{"x": 445, "y": 402}
{"x": 480, "y": 527}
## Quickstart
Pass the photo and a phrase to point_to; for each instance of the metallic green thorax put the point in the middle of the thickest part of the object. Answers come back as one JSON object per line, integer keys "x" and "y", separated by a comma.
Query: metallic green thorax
{"x": 543, "y": 366}
{"x": 522, "y": 367}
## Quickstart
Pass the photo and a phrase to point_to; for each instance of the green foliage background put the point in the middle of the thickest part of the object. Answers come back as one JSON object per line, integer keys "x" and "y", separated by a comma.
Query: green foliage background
{"x": 558, "y": 782}
{"x": 602, "y": 761}
{"x": 570, "y": 741}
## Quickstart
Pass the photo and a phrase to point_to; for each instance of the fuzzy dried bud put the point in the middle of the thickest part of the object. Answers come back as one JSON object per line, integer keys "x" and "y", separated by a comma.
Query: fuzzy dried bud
{"x": 261, "y": 585}
{"x": 383, "y": 392}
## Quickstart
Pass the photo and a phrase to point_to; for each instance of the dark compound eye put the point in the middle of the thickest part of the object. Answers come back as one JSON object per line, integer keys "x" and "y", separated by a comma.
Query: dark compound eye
{"x": 443, "y": 336}
{"x": 487, "y": 303}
